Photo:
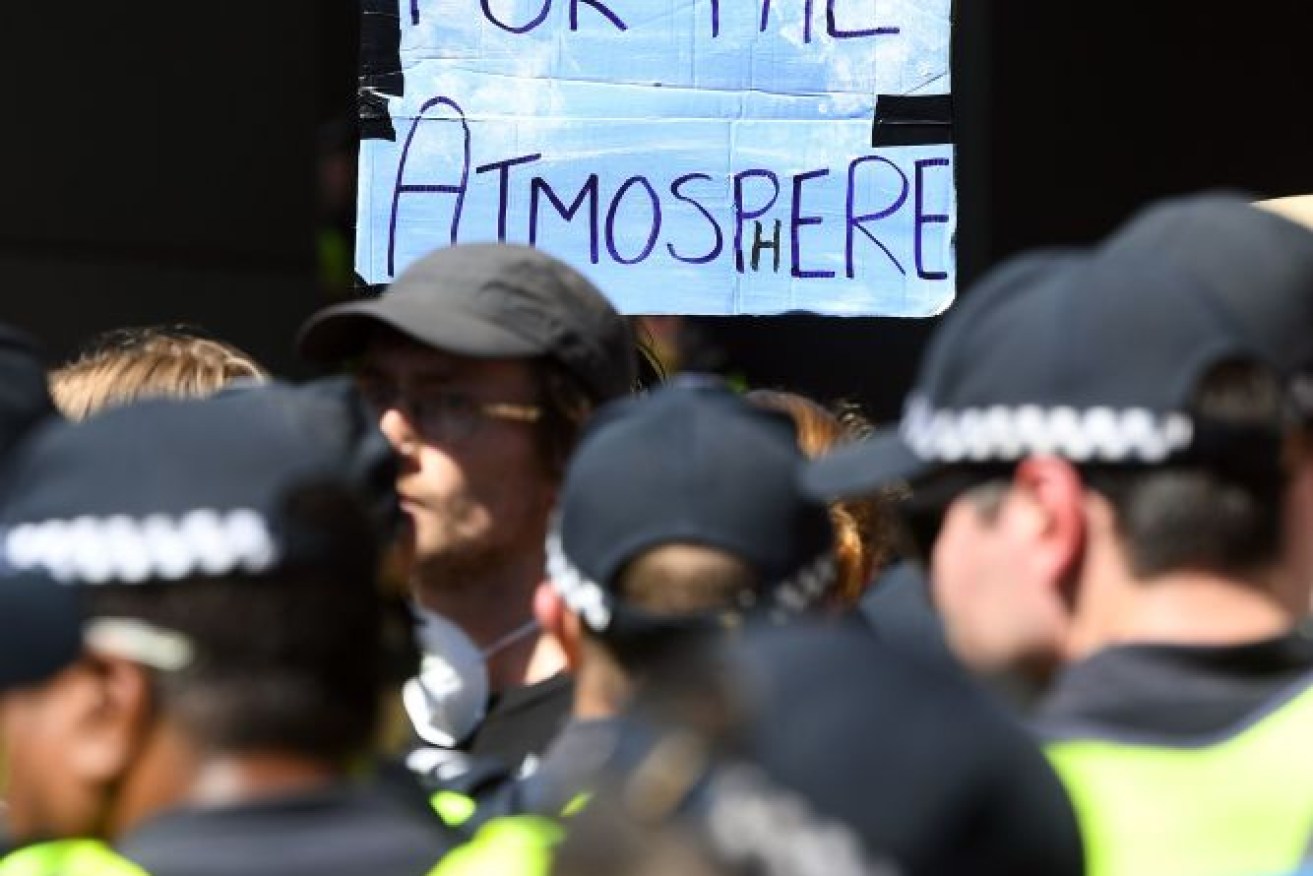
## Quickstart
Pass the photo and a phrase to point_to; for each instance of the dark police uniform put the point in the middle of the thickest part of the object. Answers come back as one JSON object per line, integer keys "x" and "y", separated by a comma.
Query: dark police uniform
{"x": 483, "y": 775}
{"x": 338, "y": 831}
{"x": 1188, "y": 759}
{"x": 558, "y": 787}
{"x": 522, "y": 721}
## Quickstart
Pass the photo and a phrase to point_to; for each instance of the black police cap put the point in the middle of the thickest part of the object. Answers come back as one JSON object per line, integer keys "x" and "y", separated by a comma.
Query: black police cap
{"x": 168, "y": 489}
{"x": 690, "y": 463}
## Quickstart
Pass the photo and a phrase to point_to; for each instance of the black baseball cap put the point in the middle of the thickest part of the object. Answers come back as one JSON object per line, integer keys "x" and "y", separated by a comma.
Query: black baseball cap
{"x": 691, "y": 463}
{"x": 1093, "y": 355}
{"x": 168, "y": 489}
{"x": 42, "y": 629}
{"x": 1251, "y": 264}
{"x": 490, "y": 301}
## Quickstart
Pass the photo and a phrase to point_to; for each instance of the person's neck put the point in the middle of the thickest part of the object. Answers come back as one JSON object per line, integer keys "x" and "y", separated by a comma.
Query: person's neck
{"x": 1184, "y": 608}
{"x": 490, "y": 603}
{"x": 173, "y": 773}
{"x": 602, "y": 689}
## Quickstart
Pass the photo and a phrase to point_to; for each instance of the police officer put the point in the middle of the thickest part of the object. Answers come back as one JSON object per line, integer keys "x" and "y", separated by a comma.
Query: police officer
{"x": 43, "y": 620}
{"x": 679, "y": 518}
{"x": 231, "y": 683}
{"x": 1095, "y": 444}
{"x": 808, "y": 750}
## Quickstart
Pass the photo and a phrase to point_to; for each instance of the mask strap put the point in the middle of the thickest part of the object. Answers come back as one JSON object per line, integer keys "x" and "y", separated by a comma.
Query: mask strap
{"x": 524, "y": 630}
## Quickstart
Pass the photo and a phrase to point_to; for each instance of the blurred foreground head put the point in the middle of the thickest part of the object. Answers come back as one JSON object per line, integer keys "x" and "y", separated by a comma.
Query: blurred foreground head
{"x": 681, "y": 515}
{"x": 775, "y": 756}
{"x": 1088, "y": 422}
{"x": 225, "y": 560}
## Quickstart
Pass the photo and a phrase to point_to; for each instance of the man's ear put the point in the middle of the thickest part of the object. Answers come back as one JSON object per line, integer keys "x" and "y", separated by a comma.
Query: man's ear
{"x": 555, "y": 617}
{"x": 114, "y": 714}
{"x": 1055, "y": 515}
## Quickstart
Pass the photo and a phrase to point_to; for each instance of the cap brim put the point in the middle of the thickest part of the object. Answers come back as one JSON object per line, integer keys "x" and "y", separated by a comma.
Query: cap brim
{"x": 340, "y": 332}
{"x": 43, "y": 629}
{"x": 864, "y": 467}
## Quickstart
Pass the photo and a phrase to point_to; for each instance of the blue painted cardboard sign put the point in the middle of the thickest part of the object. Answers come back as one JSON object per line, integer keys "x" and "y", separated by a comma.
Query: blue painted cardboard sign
{"x": 690, "y": 156}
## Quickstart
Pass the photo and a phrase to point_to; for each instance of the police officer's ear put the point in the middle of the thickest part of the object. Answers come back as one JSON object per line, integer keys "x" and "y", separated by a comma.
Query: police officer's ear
{"x": 1049, "y": 516}
{"x": 111, "y": 718}
{"x": 554, "y": 617}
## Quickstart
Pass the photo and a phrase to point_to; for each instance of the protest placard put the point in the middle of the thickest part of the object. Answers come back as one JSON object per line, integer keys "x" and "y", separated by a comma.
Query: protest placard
{"x": 691, "y": 156}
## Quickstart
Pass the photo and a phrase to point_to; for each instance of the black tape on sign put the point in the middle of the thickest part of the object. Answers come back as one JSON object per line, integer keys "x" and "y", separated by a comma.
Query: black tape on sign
{"x": 380, "y": 67}
{"x": 902, "y": 120}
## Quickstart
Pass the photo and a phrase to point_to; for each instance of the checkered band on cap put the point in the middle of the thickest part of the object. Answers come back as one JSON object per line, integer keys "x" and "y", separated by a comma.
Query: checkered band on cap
{"x": 128, "y": 550}
{"x": 593, "y": 603}
{"x": 1002, "y": 433}
{"x": 584, "y": 596}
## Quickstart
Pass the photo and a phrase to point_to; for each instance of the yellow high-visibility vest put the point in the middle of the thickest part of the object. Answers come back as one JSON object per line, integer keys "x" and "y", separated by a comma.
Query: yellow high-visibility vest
{"x": 71, "y": 857}
{"x": 514, "y": 845}
{"x": 1239, "y": 805}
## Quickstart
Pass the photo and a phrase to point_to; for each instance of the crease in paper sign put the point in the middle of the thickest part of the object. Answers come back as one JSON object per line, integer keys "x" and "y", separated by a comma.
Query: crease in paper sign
{"x": 498, "y": 96}
{"x": 676, "y": 169}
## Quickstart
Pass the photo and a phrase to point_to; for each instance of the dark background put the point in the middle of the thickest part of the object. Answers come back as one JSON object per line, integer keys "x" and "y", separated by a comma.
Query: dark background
{"x": 160, "y": 165}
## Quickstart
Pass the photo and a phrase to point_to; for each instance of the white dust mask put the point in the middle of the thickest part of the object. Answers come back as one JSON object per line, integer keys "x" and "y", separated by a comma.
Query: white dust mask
{"x": 449, "y": 697}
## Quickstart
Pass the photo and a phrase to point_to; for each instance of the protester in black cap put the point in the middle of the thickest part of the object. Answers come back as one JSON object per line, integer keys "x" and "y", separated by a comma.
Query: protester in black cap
{"x": 482, "y": 363}
{"x": 680, "y": 518}
{"x": 777, "y": 757}
{"x": 1095, "y": 448}
{"x": 237, "y": 640}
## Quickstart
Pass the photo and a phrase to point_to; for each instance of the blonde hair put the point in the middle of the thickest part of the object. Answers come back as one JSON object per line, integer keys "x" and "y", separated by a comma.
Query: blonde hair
{"x": 125, "y": 365}
{"x": 863, "y": 528}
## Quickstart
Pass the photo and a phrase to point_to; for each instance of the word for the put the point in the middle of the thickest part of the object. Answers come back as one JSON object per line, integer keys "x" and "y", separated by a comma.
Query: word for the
{"x": 837, "y": 24}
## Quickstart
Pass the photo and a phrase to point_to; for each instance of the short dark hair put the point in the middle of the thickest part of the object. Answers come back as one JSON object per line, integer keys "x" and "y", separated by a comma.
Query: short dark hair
{"x": 566, "y": 406}
{"x": 293, "y": 660}
{"x": 567, "y": 403}
{"x": 1222, "y": 515}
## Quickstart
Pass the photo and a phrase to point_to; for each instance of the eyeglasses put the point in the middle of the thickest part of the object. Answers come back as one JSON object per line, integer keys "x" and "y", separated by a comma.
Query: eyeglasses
{"x": 441, "y": 415}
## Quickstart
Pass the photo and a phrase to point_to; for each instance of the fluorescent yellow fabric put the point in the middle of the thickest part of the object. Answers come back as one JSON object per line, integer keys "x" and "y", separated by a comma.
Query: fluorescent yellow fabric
{"x": 517, "y": 845}
{"x": 453, "y": 807}
{"x": 67, "y": 858}
{"x": 1243, "y": 805}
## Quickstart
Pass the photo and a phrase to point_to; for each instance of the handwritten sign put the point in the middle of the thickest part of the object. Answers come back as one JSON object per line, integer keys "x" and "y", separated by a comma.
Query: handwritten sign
{"x": 690, "y": 156}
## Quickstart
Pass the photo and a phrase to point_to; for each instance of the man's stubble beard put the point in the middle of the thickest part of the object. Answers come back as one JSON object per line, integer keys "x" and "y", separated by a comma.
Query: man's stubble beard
{"x": 468, "y": 551}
